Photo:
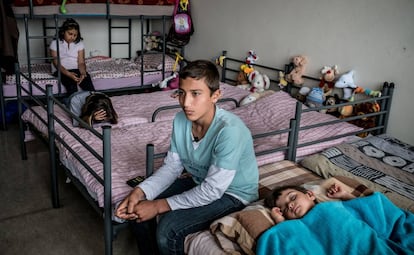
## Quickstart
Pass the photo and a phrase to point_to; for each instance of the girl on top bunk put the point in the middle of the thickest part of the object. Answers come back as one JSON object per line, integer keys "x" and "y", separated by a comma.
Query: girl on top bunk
{"x": 72, "y": 58}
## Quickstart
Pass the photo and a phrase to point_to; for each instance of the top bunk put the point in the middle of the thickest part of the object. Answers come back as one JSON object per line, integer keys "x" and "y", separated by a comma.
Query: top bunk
{"x": 104, "y": 8}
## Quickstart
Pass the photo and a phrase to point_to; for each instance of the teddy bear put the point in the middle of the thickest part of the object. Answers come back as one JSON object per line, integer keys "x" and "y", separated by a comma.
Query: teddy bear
{"x": 299, "y": 67}
{"x": 365, "y": 122}
{"x": 329, "y": 75}
{"x": 153, "y": 41}
{"x": 332, "y": 100}
{"x": 259, "y": 82}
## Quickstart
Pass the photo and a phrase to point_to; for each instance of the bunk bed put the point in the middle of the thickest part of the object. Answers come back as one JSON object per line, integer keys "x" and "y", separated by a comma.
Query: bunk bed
{"x": 109, "y": 73}
{"x": 100, "y": 160}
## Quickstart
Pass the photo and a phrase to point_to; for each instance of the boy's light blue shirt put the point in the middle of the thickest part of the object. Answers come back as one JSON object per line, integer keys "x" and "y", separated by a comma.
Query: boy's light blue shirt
{"x": 228, "y": 144}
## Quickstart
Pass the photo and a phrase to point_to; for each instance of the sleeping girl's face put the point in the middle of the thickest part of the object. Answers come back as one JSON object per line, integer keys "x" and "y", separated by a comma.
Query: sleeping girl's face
{"x": 70, "y": 35}
{"x": 294, "y": 204}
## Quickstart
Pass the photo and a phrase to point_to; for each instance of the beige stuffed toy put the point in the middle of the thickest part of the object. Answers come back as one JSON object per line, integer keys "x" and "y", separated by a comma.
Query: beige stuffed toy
{"x": 299, "y": 66}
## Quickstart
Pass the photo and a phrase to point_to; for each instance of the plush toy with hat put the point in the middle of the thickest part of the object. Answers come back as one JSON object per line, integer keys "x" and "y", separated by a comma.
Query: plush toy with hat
{"x": 329, "y": 75}
{"x": 299, "y": 66}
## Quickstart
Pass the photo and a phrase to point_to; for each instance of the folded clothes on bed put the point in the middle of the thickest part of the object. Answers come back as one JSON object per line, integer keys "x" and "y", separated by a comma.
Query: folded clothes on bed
{"x": 368, "y": 225}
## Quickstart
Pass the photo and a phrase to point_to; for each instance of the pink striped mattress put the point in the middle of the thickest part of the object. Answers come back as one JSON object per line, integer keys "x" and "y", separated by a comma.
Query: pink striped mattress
{"x": 106, "y": 73}
{"x": 129, "y": 142}
{"x": 135, "y": 109}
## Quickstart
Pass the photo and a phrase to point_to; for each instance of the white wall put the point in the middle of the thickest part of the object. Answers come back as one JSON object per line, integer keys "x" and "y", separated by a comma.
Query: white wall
{"x": 373, "y": 37}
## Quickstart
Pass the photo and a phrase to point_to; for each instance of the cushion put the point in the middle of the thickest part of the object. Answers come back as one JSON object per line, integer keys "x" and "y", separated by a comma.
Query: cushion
{"x": 242, "y": 227}
{"x": 154, "y": 62}
{"x": 76, "y": 101}
{"x": 282, "y": 173}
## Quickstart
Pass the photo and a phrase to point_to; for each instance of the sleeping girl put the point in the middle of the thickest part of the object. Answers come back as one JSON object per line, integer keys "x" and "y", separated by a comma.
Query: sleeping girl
{"x": 363, "y": 225}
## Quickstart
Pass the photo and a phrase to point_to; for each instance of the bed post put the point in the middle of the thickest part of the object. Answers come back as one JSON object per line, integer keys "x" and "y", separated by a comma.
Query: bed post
{"x": 224, "y": 67}
{"x": 295, "y": 132}
{"x": 2, "y": 104}
{"x": 150, "y": 160}
{"x": 107, "y": 189}
{"x": 291, "y": 151}
{"x": 52, "y": 151}
{"x": 20, "y": 110}
{"x": 386, "y": 104}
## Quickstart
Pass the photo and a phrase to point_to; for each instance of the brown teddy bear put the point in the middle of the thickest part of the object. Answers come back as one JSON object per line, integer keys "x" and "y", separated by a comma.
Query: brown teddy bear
{"x": 365, "y": 122}
{"x": 328, "y": 79}
{"x": 299, "y": 66}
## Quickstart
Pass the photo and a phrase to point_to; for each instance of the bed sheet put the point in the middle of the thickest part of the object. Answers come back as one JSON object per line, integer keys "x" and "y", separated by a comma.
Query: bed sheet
{"x": 128, "y": 149}
{"x": 133, "y": 109}
{"x": 381, "y": 162}
{"x": 274, "y": 112}
{"x": 106, "y": 73}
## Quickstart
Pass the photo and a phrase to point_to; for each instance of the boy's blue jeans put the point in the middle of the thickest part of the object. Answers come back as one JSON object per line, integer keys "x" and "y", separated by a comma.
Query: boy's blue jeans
{"x": 174, "y": 226}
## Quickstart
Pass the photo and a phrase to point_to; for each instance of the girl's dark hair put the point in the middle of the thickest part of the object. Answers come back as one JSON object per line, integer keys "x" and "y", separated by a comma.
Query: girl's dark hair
{"x": 199, "y": 69}
{"x": 270, "y": 200}
{"x": 68, "y": 25}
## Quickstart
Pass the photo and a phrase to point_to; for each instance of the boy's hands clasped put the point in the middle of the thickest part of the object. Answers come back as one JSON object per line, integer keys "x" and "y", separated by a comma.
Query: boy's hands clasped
{"x": 136, "y": 207}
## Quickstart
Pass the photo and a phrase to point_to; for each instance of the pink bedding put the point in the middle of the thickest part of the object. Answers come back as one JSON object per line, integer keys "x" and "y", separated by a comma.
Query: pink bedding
{"x": 129, "y": 140}
{"x": 135, "y": 109}
{"x": 274, "y": 113}
{"x": 106, "y": 73}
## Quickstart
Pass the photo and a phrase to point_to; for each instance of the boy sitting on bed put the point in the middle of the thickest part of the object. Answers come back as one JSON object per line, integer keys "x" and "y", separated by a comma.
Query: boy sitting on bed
{"x": 215, "y": 147}
{"x": 364, "y": 225}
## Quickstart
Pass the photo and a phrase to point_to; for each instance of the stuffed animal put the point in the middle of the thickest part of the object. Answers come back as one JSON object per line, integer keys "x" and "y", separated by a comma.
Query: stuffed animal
{"x": 153, "y": 41}
{"x": 347, "y": 84}
{"x": 255, "y": 96}
{"x": 329, "y": 75}
{"x": 282, "y": 81}
{"x": 252, "y": 57}
{"x": 365, "y": 122}
{"x": 259, "y": 82}
{"x": 332, "y": 100}
{"x": 295, "y": 76}
{"x": 302, "y": 93}
{"x": 169, "y": 83}
{"x": 241, "y": 78}
{"x": 315, "y": 97}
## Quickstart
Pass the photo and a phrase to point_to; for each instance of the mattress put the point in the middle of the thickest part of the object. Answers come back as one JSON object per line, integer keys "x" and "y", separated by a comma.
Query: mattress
{"x": 126, "y": 107}
{"x": 274, "y": 112}
{"x": 106, "y": 73}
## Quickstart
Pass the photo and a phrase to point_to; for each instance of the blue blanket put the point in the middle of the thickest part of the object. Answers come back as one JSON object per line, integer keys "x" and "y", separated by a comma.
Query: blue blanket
{"x": 367, "y": 225}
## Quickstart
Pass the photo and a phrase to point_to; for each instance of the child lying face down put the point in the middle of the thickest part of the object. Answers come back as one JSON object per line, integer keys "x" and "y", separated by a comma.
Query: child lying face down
{"x": 293, "y": 202}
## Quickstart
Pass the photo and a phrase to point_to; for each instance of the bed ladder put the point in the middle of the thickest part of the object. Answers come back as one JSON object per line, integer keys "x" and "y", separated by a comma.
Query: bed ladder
{"x": 46, "y": 38}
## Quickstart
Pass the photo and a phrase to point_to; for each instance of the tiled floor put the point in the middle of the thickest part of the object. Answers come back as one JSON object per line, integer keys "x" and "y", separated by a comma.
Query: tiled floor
{"x": 28, "y": 222}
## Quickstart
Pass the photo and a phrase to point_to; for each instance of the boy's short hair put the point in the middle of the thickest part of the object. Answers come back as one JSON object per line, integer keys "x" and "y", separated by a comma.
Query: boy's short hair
{"x": 270, "y": 200}
{"x": 200, "y": 69}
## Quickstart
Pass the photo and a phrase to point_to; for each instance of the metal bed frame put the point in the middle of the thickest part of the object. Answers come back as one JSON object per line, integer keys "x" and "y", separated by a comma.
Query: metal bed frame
{"x": 55, "y": 18}
{"x": 110, "y": 227}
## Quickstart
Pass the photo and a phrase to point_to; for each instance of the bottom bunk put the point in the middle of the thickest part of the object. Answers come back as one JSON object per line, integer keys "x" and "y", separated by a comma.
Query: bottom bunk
{"x": 102, "y": 159}
{"x": 373, "y": 164}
